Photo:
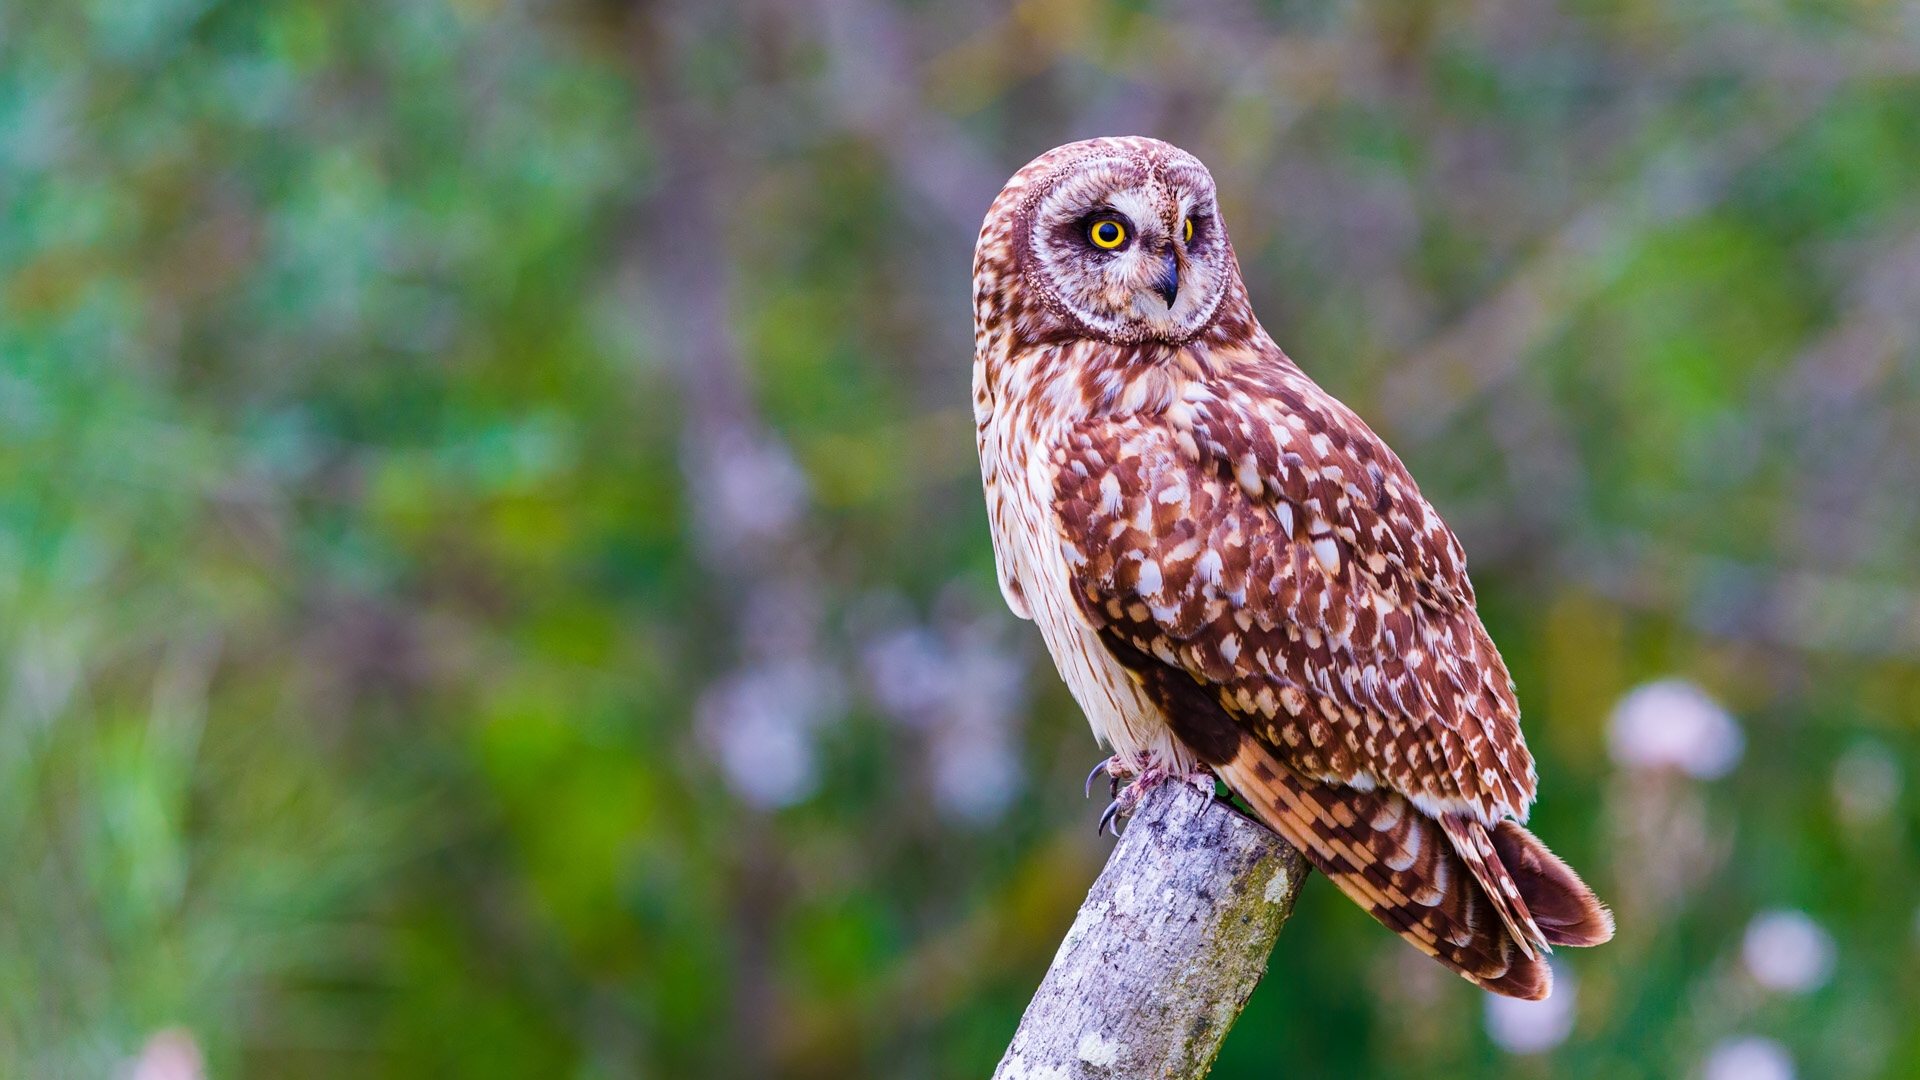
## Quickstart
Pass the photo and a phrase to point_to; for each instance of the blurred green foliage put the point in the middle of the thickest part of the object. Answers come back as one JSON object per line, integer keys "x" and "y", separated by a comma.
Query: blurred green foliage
{"x": 380, "y": 385}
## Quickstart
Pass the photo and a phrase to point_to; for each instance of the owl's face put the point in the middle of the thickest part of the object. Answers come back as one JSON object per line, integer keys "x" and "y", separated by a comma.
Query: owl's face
{"x": 1126, "y": 242}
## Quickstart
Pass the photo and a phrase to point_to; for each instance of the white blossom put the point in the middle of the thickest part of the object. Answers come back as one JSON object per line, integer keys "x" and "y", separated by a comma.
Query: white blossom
{"x": 1672, "y": 723}
{"x": 1788, "y": 951}
{"x": 1748, "y": 1057}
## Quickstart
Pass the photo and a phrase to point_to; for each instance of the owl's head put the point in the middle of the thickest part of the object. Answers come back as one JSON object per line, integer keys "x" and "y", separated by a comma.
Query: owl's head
{"x": 1119, "y": 240}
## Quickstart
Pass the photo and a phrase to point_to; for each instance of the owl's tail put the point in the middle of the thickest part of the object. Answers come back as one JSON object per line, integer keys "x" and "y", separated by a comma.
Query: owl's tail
{"x": 1402, "y": 867}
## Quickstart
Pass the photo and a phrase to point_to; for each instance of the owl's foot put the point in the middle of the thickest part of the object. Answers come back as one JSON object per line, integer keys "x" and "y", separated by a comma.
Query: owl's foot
{"x": 1138, "y": 783}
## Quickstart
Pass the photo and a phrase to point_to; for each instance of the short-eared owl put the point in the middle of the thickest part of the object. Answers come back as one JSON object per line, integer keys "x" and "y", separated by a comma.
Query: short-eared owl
{"x": 1234, "y": 573}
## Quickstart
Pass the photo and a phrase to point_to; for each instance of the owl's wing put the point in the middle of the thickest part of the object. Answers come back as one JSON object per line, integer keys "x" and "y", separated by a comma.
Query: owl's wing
{"x": 1267, "y": 568}
{"x": 1267, "y": 542}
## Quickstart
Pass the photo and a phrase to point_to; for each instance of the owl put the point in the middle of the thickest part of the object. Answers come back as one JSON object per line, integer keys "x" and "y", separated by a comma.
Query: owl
{"x": 1236, "y": 577}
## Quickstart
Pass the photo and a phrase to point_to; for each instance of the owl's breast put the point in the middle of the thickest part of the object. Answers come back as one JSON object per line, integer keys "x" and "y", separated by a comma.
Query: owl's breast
{"x": 1027, "y": 539}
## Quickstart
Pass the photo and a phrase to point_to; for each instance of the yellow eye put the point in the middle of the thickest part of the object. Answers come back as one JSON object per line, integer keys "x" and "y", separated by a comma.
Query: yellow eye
{"x": 1187, "y": 237}
{"x": 1107, "y": 233}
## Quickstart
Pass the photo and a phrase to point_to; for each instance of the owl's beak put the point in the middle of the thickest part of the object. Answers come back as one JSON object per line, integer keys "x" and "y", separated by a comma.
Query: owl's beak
{"x": 1167, "y": 282}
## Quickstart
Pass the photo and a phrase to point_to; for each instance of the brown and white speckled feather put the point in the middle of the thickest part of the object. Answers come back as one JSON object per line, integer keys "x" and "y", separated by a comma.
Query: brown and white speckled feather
{"x": 1260, "y": 537}
{"x": 1397, "y": 864}
{"x": 1230, "y": 568}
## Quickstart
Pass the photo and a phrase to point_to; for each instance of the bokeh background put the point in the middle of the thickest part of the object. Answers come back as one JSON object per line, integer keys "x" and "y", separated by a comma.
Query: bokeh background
{"x": 493, "y": 578}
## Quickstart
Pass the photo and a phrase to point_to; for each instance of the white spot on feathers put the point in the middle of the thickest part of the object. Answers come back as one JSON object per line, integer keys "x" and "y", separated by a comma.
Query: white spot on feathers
{"x": 1327, "y": 550}
{"x": 1149, "y": 578}
{"x": 1264, "y": 699}
{"x": 1410, "y": 843}
{"x": 1230, "y": 648}
{"x": 1247, "y": 472}
{"x": 1208, "y": 567}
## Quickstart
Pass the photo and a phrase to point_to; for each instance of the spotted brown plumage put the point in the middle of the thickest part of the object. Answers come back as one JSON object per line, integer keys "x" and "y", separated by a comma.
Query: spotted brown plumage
{"x": 1233, "y": 572}
{"x": 1258, "y": 536}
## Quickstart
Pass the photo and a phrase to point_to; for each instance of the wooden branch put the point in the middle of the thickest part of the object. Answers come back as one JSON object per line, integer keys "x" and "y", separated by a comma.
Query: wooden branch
{"x": 1172, "y": 939}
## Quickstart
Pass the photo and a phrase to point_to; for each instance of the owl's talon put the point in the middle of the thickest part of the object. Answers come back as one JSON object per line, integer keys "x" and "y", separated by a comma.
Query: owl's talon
{"x": 1105, "y": 766}
{"x": 1127, "y": 798}
{"x": 1203, "y": 780}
